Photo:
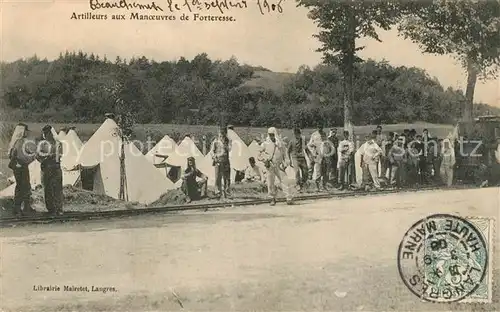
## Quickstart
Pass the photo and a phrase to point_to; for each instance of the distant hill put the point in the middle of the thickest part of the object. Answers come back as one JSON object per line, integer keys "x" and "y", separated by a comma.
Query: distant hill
{"x": 274, "y": 81}
{"x": 80, "y": 88}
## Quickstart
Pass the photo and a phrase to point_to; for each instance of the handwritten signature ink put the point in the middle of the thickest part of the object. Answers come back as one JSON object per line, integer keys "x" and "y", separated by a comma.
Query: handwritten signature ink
{"x": 123, "y": 4}
{"x": 264, "y": 6}
{"x": 221, "y": 5}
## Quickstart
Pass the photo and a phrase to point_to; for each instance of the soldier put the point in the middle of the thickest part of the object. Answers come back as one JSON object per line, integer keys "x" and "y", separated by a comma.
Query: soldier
{"x": 447, "y": 162}
{"x": 272, "y": 154}
{"x": 49, "y": 155}
{"x": 334, "y": 158}
{"x": 315, "y": 140}
{"x": 411, "y": 173}
{"x": 420, "y": 146}
{"x": 194, "y": 190}
{"x": 319, "y": 151}
{"x": 370, "y": 157}
{"x": 21, "y": 154}
{"x": 297, "y": 158}
{"x": 220, "y": 155}
{"x": 254, "y": 173}
{"x": 397, "y": 159}
{"x": 381, "y": 141}
{"x": 345, "y": 151}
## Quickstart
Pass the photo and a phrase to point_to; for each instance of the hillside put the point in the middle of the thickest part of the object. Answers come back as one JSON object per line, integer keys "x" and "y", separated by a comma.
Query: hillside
{"x": 268, "y": 80}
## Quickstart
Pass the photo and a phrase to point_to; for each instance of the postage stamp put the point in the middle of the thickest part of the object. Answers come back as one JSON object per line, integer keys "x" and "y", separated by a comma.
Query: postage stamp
{"x": 446, "y": 258}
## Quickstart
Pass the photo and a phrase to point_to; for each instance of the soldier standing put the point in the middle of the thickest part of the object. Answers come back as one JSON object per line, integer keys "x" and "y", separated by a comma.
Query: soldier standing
{"x": 334, "y": 158}
{"x": 49, "y": 155}
{"x": 370, "y": 157}
{"x": 20, "y": 156}
{"x": 272, "y": 154}
{"x": 345, "y": 152}
{"x": 220, "y": 156}
{"x": 297, "y": 158}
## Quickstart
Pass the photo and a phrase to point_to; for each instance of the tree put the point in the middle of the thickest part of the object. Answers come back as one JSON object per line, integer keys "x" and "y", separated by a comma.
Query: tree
{"x": 341, "y": 24}
{"x": 74, "y": 89}
{"x": 469, "y": 30}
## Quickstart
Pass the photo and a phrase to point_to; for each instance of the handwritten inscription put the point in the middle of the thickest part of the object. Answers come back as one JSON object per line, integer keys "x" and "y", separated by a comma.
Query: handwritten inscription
{"x": 192, "y": 6}
{"x": 123, "y": 4}
{"x": 265, "y": 6}
{"x": 221, "y": 5}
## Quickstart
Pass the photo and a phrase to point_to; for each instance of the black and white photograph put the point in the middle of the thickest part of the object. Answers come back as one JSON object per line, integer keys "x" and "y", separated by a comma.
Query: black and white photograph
{"x": 249, "y": 155}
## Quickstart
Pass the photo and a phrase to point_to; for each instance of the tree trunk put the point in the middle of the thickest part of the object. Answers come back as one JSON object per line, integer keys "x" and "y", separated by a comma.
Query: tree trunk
{"x": 468, "y": 110}
{"x": 348, "y": 67}
{"x": 469, "y": 92}
{"x": 347, "y": 86}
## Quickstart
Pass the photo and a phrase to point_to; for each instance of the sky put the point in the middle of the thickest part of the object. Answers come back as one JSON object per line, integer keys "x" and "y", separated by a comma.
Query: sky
{"x": 279, "y": 41}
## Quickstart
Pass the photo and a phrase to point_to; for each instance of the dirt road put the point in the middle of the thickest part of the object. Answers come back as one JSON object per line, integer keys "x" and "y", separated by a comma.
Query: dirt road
{"x": 328, "y": 255}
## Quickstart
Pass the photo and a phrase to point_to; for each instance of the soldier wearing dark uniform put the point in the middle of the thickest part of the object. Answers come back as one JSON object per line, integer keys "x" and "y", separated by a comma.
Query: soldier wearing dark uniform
{"x": 49, "y": 155}
{"x": 220, "y": 156}
{"x": 21, "y": 154}
{"x": 334, "y": 158}
{"x": 296, "y": 155}
{"x": 194, "y": 190}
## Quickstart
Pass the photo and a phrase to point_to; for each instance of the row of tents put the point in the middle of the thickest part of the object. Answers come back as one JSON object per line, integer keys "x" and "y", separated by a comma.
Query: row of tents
{"x": 95, "y": 165}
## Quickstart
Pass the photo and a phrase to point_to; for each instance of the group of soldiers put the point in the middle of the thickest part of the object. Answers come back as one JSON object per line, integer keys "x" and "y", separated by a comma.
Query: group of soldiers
{"x": 48, "y": 151}
{"x": 407, "y": 159}
{"x": 394, "y": 160}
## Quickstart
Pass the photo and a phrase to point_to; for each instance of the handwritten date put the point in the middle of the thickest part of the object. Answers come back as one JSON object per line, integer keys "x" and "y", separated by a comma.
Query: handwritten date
{"x": 224, "y": 5}
{"x": 266, "y": 7}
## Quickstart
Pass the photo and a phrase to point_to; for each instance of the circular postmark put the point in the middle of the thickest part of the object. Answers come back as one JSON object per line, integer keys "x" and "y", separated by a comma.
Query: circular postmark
{"x": 443, "y": 258}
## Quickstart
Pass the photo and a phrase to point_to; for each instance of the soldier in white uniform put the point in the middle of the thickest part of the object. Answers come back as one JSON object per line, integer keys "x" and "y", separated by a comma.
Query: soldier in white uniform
{"x": 272, "y": 154}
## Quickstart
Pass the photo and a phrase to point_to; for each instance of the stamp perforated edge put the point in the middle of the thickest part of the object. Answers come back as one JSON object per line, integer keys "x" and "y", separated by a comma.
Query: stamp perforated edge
{"x": 491, "y": 262}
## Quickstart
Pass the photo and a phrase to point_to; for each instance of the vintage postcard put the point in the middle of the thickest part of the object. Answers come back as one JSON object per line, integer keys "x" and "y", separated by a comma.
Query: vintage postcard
{"x": 249, "y": 155}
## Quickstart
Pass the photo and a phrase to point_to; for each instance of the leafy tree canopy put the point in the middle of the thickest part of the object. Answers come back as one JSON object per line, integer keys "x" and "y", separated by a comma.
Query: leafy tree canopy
{"x": 81, "y": 88}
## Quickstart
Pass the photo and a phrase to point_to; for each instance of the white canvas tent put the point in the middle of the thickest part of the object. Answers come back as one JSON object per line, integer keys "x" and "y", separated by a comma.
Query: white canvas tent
{"x": 254, "y": 149}
{"x": 187, "y": 148}
{"x": 144, "y": 184}
{"x": 72, "y": 136}
{"x": 72, "y": 146}
{"x": 8, "y": 191}
{"x": 165, "y": 147}
{"x": 61, "y": 135}
{"x": 239, "y": 154}
{"x": 162, "y": 150}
